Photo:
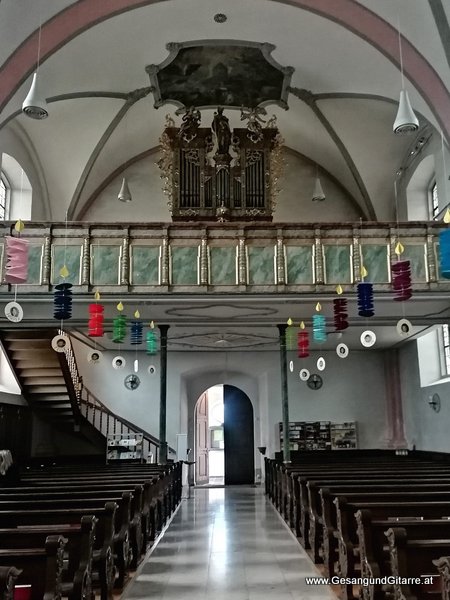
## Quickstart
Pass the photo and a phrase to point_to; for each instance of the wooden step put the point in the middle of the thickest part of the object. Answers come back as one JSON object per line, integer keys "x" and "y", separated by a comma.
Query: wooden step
{"x": 52, "y": 403}
{"x": 46, "y": 389}
{"x": 47, "y": 396}
{"x": 44, "y": 371}
{"x": 56, "y": 379}
{"x": 34, "y": 362}
{"x": 29, "y": 334}
{"x": 26, "y": 353}
{"x": 15, "y": 345}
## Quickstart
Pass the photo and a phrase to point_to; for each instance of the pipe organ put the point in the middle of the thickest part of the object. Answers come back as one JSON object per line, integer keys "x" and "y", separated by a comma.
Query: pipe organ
{"x": 218, "y": 174}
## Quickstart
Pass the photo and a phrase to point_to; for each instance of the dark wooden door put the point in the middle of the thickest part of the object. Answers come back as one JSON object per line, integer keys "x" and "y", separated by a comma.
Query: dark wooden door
{"x": 238, "y": 437}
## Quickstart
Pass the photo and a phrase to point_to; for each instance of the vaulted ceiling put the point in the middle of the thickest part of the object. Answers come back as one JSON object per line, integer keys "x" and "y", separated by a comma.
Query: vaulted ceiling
{"x": 342, "y": 101}
{"x": 344, "y": 52}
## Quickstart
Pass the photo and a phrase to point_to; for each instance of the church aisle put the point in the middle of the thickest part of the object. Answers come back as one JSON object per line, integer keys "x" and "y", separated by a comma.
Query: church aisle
{"x": 226, "y": 543}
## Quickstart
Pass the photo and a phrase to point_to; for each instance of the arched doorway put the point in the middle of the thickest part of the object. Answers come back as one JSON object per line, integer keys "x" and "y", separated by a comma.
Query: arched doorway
{"x": 224, "y": 439}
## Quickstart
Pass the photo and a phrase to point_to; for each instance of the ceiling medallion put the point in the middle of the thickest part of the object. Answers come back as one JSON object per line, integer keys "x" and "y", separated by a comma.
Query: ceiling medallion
{"x": 220, "y": 18}
{"x": 226, "y": 73}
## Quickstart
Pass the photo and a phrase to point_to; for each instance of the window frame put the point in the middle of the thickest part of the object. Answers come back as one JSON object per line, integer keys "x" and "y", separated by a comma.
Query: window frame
{"x": 444, "y": 349}
{"x": 7, "y": 187}
{"x": 433, "y": 195}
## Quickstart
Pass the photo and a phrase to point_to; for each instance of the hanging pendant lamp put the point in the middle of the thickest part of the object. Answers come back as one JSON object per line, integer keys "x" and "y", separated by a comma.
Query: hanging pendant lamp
{"x": 405, "y": 121}
{"x": 124, "y": 194}
{"x": 35, "y": 104}
{"x": 318, "y": 195}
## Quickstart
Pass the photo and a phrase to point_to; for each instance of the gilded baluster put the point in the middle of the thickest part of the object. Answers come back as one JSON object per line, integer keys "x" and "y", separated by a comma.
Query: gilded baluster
{"x": 356, "y": 259}
{"x": 318, "y": 258}
{"x": 204, "y": 275}
{"x": 431, "y": 259}
{"x": 47, "y": 261}
{"x": 125, "y": 262}
{"x": 165, "y": 259}
{"x": 86, "y": 264}
{"x": 242, "y": 262}
{"x": 281, "y": 264}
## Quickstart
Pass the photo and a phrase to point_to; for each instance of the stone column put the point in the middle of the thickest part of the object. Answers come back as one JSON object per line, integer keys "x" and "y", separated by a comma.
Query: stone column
{"x": 284, "y": 394}
{"x": 163, "y": 395}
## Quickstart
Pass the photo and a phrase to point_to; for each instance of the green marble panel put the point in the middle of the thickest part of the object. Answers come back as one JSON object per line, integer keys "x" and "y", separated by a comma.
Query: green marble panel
{"x": 145, "y": 265}
{"x": 261, "y": 265}
{"x": 375, "y": 259}
{"x": 34, "y": 264}
{"x": 184, "y": 265}
{"x": 299, "y": 261}
{"x": 337, "y": 263}
{"x": 222, "y": 265}
{"x": 415, "y": 253}
{"x": 438, "y": 262}
{"x": 105, "y": 265}
{"x": 71, "y": 257}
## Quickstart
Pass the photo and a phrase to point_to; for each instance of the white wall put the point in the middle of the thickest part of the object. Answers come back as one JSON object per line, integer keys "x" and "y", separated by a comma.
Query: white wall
{"x": 425, "y": 429}
{"x": 293, "y": 205}
{"x": 353, "y": 390}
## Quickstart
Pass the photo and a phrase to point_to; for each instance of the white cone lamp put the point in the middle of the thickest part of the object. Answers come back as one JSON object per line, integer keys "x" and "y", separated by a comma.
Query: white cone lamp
{"x": 405, "y": 121}
{"x": 35, "y": 105}
{"x": 124, "y": 194}
{"x": 318, "y": 195}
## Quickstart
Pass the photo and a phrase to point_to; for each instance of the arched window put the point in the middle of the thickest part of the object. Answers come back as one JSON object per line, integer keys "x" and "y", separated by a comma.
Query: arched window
{"x": 15, "y": 190}
{"x": 5, "y": 190}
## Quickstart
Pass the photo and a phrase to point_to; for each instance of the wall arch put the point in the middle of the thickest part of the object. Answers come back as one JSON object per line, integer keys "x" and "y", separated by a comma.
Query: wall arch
{"x": 358, "y": 19}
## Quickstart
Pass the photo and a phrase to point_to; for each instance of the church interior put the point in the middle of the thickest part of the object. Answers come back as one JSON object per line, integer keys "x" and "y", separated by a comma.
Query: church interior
{"x": 224, "y": 290}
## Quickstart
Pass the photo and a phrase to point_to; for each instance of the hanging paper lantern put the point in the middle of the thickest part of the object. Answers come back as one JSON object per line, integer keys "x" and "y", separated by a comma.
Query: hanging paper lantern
{"x": 340, "y": 314}
{"x": 152, "y": 342}
{"x": 16, "y": 268}
{"x": 62, "y": 301}
{"x": 119, "y": 329}
{"x": 303, "y": 344}
{"x": 444, "y": 253}
{"x": 96, "y": 318}
{"x": 365, "y": 300}
{"x": 401, "y": 280}
{"x": 319, "y": 330}
{"x": 136, "y": 333}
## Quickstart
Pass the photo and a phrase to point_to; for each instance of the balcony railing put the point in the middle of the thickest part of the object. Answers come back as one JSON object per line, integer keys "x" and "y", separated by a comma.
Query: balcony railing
{"x": 226, "y": 257}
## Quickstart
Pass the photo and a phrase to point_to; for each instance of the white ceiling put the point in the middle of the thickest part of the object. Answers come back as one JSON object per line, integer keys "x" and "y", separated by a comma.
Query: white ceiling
{"x": 111, "y": 57}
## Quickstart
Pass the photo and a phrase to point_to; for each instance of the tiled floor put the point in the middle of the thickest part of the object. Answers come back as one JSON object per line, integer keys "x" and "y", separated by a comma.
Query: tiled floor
{"x": 226, "y": 544}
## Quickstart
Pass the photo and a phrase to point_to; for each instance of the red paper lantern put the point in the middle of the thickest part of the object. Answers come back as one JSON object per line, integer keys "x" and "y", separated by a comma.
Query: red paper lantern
{"x": 401, "y": 280}
{"x": 340, "y": 314}
{"x": 302, "y": 344}
{"x": 96, "y": 318}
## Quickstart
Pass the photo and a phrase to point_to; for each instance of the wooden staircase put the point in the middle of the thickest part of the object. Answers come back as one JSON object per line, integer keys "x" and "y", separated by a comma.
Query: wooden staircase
{"x": 53, "y": 388}
{"x": 43, "y": 375}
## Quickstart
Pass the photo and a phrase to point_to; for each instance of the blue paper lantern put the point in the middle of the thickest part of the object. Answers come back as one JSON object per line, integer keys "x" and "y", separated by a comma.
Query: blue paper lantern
{"x": 444, "y": 253}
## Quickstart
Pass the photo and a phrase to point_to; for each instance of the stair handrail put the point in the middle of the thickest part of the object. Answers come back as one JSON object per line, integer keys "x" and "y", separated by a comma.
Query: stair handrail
{"x": 89, "y": 400}
{"x": 73, "y": 369}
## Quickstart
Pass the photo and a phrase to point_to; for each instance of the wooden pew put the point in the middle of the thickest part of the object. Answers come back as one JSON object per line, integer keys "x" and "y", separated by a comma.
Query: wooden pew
{"x": 8, "y": 576}
{"x": 374, "y": 555}
{"x": 301, "y": 507}
{"x": 76, "y": 577}
{"x": 103, "y": 555}
{"x": 41, "y": 567}
{"x": 347, "y": 532}
{"x": 129, "y": 513}
{"x": 411, "y": 558}
{"x": 322, "y": 512}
